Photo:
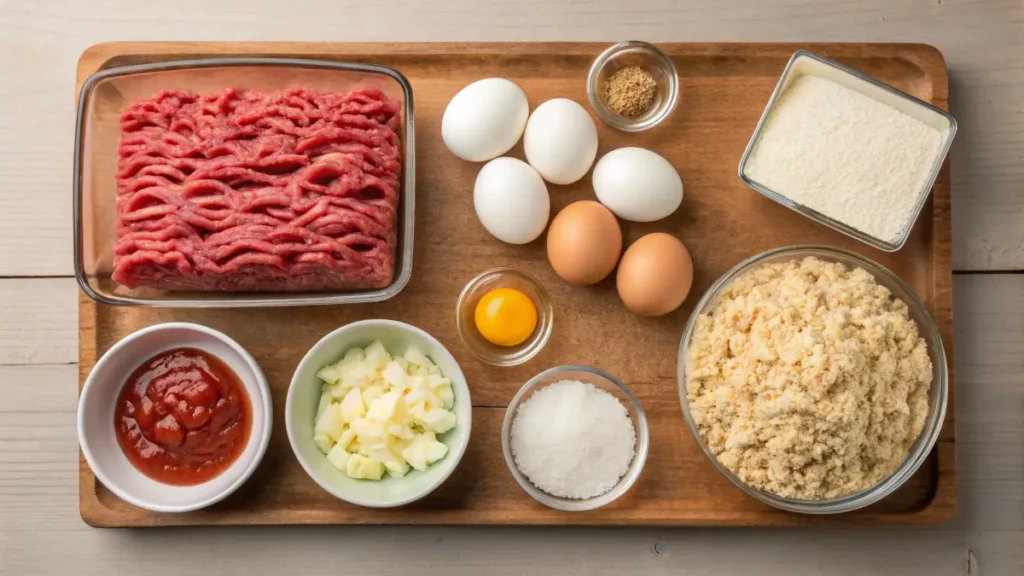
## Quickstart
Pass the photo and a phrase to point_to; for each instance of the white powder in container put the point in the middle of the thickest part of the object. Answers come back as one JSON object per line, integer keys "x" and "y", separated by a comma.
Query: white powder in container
{"x": 845, "y": 155}
{"x": 572, "y": 440}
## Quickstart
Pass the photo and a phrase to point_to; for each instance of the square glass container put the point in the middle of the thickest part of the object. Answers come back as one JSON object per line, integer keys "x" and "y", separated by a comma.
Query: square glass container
{"x": 107, "y": 93}
{"x": 804, "y": 63}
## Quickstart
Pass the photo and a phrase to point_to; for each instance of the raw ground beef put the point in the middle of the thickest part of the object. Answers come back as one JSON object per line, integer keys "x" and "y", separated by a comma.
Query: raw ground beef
{"x": 243, "y": 190}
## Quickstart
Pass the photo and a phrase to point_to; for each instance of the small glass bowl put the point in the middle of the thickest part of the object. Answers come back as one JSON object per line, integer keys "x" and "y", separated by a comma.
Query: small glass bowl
{"x": 651, "y": 59}
{"x": 605, "y": 382}
{"x": 937, "y": 395}
{"x": 465, "y": 309}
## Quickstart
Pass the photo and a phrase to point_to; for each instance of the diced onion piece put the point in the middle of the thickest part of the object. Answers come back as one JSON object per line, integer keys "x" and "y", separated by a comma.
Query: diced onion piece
{"x": 379, "y": 413}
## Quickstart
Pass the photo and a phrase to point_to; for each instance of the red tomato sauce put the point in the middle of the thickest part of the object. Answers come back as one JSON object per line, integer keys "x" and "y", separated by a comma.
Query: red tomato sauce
{"x": 183, "y": 417}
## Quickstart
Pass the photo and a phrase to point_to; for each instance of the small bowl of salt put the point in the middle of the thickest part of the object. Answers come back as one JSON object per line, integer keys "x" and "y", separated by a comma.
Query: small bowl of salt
{"x": 575, "y": 438}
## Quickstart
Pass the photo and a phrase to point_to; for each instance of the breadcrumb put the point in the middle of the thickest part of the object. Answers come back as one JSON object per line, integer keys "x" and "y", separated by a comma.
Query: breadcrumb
{"x": 808, "y": 380}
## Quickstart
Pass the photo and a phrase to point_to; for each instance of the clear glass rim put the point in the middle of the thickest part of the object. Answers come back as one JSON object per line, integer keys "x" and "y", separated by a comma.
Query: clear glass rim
{"x": 536, "y": 343}
{"x": 836, "y": 225}
{"x": 636, "y": 466}
{"x": 919, "y": 451}
{"x": 407, "y": 208}
{"x": 614, "y": 120}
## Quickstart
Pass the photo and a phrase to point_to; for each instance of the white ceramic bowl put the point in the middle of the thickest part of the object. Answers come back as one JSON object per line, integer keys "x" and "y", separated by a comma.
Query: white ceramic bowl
{"x": 98, "y": 440}
{"x": 304, "y": 395}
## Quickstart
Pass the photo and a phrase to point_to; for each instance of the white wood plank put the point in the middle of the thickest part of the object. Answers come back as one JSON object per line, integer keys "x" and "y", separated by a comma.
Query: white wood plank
{"x": 38, "y": 321}
{"x": 28, "y": 390}
{"x": 38, "y": 451}
{"x": 990, "y": 399}
{"x": 990, "y": 433}
{"x": 464, "y": 551}
{"x": 982, "y": 42}
{"x": 997, "y": 552}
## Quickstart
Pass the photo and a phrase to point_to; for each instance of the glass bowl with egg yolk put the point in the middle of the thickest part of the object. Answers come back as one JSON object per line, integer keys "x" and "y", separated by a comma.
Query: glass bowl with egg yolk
{"x": 504, "y": 316}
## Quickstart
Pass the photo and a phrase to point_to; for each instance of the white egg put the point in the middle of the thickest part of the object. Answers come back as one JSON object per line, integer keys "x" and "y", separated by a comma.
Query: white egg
{"x": 511, "y": 200}
{"x": 560, "y": 141}
{"x": 485, "y": 119}
{"x": 637, "y": 184}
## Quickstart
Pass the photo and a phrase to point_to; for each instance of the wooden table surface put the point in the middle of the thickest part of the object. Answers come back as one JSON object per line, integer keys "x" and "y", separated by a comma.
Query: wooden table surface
{"x": 40, "y": 530}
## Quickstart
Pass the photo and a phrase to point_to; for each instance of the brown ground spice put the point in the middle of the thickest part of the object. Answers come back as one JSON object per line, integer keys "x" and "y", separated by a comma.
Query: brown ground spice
{"x": 631, "y": 91}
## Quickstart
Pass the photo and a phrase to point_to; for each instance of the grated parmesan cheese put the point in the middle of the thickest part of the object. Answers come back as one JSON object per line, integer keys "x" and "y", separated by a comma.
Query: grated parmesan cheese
{"x": 845, "y": 155}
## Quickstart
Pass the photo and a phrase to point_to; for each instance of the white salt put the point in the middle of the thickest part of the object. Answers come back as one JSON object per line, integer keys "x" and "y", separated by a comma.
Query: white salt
{"x": 573, "y": 440}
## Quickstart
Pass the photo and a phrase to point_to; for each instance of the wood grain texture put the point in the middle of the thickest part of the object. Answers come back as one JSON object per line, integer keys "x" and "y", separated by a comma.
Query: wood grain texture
{"x": 996, "y": 552}
{"x": 38, "y": 445}
{"x": 34, "y": 327}
{"x": 991, "y": 423}
{"x": 990, "y": 414}
{"x": 981, "y": 40}
{"x": 721, "y": 222}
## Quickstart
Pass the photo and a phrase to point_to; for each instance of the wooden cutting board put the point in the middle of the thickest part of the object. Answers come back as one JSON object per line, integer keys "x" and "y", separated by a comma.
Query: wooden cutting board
{"x": 723, "y": 90}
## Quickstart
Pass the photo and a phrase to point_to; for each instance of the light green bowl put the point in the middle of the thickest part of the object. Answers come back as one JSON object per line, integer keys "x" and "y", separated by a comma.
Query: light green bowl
{"x": 304, "y": 395}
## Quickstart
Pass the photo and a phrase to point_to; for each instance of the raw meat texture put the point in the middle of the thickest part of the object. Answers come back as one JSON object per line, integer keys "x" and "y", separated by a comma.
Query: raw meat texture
{"x": 242, "y": 190}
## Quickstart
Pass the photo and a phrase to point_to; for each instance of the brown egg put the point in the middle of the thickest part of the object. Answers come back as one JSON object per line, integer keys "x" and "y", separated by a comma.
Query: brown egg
{"x": 655, "y": 275}
{"x": 584, "y": 243}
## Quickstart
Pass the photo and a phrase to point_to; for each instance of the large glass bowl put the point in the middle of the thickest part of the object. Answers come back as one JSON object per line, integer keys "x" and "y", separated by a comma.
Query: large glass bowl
{"x": 937, "y": 395}
{"x": 604, "y": 382}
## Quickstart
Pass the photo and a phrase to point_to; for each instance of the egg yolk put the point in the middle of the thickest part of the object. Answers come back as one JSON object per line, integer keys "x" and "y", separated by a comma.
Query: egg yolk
{"x": 506, "y": 317}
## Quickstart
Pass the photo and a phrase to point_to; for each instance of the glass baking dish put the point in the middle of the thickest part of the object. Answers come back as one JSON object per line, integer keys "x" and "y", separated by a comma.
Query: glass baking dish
{"x": 105, "y": 95}
{"x": 806, "y": 63}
